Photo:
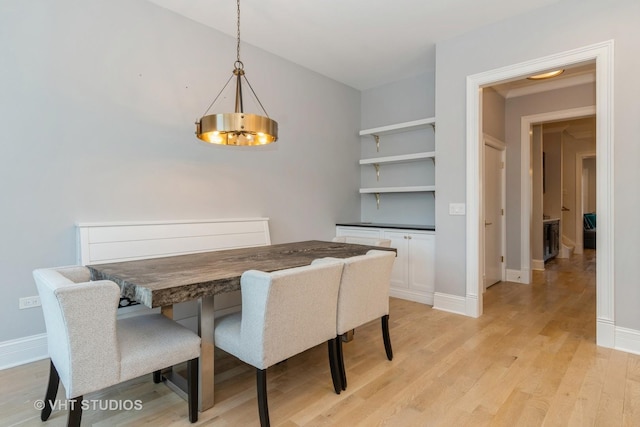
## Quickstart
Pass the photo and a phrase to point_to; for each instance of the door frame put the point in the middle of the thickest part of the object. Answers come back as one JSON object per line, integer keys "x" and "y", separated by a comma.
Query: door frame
{"x": 526, "y": 180}
{"x": 502, "y": 147}
{"x": 580, "y": 157}
{"x": 602, "y": 53}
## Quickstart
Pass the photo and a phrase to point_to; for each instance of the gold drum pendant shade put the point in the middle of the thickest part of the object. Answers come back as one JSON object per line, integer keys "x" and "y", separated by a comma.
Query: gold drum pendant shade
{"x": 238, "y": 128}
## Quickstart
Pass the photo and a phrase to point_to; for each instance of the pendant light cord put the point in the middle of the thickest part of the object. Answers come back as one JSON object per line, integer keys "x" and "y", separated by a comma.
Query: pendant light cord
{"x": 238, "y": 39}
{"x": 239, "y": 66}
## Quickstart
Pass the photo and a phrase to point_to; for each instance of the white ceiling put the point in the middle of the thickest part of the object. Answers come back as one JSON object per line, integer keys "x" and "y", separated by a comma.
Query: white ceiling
{"x": 362, "y": 43}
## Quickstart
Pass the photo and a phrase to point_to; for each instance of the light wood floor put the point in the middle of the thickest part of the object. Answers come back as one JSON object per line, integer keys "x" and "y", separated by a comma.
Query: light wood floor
{"x": 530, "y": 360}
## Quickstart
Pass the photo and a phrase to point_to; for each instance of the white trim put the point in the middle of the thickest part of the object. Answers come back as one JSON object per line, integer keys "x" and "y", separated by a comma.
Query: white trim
{"x": 450, "y": 303}
{"x": 23, "y": 350}
{"x": 409, "y": 295}
{"x": 526, "y": 180}
{"x": 514, "y": 275}
{"x": 603, "y": 55}
{"x": 160, "y": 222}
{"x": 627, "y": 340}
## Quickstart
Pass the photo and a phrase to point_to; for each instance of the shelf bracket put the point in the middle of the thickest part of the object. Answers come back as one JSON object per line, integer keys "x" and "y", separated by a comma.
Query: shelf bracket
{"x": 377, "y": 166}
{"x": 377, "y": 138}
{"x": 377, "y": 200}
{"x": 433, "y": 125}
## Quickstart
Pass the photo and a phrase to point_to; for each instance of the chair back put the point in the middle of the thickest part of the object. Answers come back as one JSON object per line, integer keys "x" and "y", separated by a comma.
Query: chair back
{"x": 369, "y": 241}
{"x": 288, "y": 311}
{"x": 364, "y": 289}
{"x": 80, "y": 317}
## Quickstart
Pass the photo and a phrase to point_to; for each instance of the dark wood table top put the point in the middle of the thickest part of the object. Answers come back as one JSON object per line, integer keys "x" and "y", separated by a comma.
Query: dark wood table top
{"x": 165, "y": 281}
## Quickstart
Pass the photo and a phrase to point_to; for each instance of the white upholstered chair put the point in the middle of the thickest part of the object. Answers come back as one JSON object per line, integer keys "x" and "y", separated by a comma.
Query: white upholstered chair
{"x": 91, "y": 350}
{"x": 363, "y": 297}
{"x": 370, "y": 241}
{"x": 283, "y": 314}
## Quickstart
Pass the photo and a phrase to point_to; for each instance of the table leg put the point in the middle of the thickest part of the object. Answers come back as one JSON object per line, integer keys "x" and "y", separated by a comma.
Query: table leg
{"x": 206, "y": 371}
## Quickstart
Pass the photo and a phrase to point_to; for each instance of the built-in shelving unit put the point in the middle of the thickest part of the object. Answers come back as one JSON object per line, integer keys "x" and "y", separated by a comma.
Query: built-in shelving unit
{"x": 377, "y": 162}
{"x": 413, "y": 189}
{"x": 400, "y": 159}
{"x": 400, "y": 127}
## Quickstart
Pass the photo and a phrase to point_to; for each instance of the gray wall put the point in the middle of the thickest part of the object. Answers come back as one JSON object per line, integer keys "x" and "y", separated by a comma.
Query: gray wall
{"x": 98, "y": 100}
{"x": 560, "y": 27}
{"x": 493, "y": 113}
{"x": 402, "y": 101}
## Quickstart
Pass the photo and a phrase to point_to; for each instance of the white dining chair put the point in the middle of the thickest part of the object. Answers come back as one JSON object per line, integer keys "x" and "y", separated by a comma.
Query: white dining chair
{"x": 370, "y": 241}
{"x": 91, "y": 350}
{"x": 363, "y": 297}
{"x": 283, "y": 314}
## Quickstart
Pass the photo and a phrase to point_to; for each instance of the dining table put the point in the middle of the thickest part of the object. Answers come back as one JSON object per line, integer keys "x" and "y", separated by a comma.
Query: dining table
{"x": 164, "y": 281}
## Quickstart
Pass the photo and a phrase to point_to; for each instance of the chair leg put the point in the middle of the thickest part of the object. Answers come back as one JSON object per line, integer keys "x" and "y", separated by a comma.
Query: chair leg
{"x": 263, "y": 408}
{"x": 386, "y": 337}
{"x": 75, "y": 413}
{"x": 333, "y": 364}
{"x": 157, "y": 377}
{"x": 340, "y": 357}
{"x": 192, "y": 388}
{"x": 52, "y": 390}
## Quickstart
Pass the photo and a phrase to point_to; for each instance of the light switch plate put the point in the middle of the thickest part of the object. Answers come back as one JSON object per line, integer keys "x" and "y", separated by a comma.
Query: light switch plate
{"x": 457, "y": 209}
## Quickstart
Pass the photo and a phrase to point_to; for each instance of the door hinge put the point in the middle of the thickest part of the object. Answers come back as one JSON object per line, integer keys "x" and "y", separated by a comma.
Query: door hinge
{"x": 502, "y": 212}
{"x": 501, "y": 258}
{"x": 501, "y": 165}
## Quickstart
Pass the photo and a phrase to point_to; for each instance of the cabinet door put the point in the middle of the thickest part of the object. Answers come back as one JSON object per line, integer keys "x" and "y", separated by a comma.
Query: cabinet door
{"x": 399, "y": 273}
{"x": 421, "y": 262}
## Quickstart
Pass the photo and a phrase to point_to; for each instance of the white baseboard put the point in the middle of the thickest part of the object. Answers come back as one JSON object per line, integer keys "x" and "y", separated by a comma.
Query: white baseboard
{"x": 514, "y": 276}
{"x": 423, "y": 298}
{"x": 450, "y": 303}
{"x": 23, "y": 350}
{"x": 627, "y": 340}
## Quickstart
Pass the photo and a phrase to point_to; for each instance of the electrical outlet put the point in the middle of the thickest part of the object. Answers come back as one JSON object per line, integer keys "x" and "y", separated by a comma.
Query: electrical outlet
{"x": 457, "y": 208}
{"x": 29, "y": 302}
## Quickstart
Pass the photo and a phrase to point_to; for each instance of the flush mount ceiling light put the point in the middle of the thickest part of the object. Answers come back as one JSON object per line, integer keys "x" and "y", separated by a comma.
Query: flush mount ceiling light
{"x": 546, "y": 75}
{"x": 238, "y": 128}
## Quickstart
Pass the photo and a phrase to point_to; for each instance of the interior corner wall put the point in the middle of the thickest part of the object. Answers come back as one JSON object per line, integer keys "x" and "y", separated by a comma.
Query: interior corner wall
{"x": 512, "y": 41}
{"x": 402, "y": 101}
{"x": 99, "y": 99}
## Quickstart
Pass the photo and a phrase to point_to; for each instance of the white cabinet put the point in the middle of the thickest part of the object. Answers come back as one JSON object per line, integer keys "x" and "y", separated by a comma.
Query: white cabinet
{"x": 413, "y": 272}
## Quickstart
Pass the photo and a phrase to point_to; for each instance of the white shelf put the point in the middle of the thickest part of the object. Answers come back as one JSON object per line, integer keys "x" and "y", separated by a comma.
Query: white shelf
{"x": 400, "y": 159}
{"x": 414, "y": 189}
{"x": 400, "y": 127}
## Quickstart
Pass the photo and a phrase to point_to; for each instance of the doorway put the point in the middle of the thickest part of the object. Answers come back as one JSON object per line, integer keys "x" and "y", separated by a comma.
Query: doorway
{"x": 602, "y": 53}
{"x": 493, "y": 210}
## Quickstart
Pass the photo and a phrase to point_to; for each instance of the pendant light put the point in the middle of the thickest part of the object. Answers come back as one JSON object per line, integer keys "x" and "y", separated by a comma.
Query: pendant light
{"x": 238, "y": 128}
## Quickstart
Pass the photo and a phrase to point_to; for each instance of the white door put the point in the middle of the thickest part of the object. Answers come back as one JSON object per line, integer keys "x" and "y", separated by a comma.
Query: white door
{"x": 493, "y": 213}
{"x": 399, "y": 273}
